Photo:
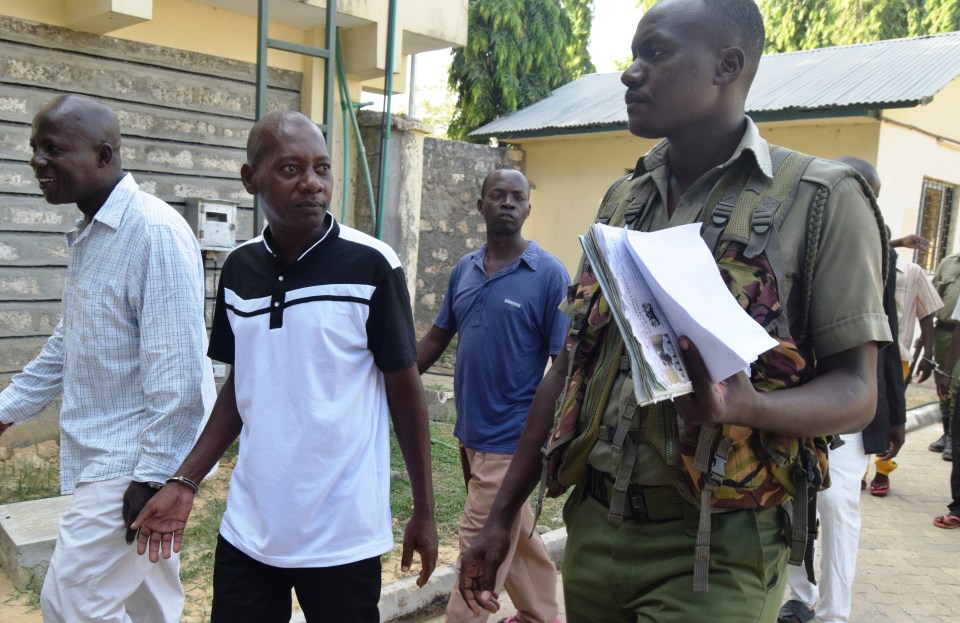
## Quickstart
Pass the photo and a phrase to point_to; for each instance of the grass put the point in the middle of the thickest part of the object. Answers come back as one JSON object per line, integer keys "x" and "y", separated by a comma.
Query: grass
{"x": 20, "y": 482}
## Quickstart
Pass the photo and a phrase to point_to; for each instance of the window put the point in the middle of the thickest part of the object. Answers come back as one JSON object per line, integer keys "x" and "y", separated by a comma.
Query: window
{"x": 935, "y": 223}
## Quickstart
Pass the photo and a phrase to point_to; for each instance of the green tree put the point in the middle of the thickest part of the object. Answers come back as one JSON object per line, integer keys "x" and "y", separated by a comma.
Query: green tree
{"x": 517, "y": 52}
{"x": 807, "y": 24}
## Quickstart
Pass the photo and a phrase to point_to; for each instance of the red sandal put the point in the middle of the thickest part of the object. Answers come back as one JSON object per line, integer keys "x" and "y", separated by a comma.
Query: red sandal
{"x": 879, "y": 489}
{"x": 948, "y": 522}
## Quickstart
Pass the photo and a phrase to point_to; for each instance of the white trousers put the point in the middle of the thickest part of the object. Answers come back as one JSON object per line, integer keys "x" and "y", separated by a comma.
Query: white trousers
{"x": 839, "y": 511}
{"x": 95, "y": 576}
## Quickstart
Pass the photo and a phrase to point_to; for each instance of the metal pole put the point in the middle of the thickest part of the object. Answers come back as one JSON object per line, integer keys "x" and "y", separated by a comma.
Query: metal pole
{"x": 263, "y": 23}
{"x": 385, "y": 134}
{"x": 412, "y": 105}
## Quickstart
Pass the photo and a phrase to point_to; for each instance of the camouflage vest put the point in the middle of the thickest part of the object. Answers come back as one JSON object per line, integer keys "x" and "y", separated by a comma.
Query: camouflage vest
{"x": 724, "y": 468}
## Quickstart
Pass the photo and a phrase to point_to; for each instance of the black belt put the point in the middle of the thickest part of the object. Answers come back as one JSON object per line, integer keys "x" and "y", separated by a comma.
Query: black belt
{"x": 643, "y": 503}
{"x": 945, "y": 326}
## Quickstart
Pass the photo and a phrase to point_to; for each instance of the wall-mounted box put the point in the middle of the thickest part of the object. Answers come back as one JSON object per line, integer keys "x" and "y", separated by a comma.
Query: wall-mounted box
{"x": 214, "y": 222}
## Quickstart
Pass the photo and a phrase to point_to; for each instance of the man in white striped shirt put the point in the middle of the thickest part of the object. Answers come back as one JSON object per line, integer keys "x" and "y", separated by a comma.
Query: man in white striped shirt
{"x": 128, "y": 359}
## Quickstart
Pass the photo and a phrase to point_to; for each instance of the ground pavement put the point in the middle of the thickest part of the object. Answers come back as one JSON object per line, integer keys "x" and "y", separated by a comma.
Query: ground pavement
{"x": 908, "y": 571}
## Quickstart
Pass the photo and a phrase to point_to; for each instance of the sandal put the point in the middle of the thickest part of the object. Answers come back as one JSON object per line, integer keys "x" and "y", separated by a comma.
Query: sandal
{"x": 879, "y": 489}
{"x": 794, "y": 611}
{"x": 948, "y": 522}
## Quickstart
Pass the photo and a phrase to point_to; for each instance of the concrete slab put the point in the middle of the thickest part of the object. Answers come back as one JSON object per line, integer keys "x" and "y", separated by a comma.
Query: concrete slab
{"x": 28, "y": 534}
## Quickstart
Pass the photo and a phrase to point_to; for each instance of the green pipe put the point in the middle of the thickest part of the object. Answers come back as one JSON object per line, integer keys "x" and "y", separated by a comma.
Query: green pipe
{"x": 348, "y": 104}
{"x": 346, "y": 156}
{"x": 385, "y": 135}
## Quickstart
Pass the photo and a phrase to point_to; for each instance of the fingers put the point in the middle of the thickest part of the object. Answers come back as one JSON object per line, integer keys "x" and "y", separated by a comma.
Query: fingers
{"x": 406, "y": 556}
{"x": 428, "y": 562}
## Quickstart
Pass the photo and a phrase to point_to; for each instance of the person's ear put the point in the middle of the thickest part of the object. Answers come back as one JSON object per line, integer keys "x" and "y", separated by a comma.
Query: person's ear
{"x": 479, "y": 205}
{"x": 730, "y": 65}
{"x": 104, "y": 154}
{"x": 246, "y": 176}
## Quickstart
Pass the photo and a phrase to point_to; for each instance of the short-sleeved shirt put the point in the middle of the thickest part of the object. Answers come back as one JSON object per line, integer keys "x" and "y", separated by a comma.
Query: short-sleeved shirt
{"x": 846, "y": 306}
{"x": 916, "y": 298}
{"x": 309, "y": 343}
{"x": 508, "y": 326}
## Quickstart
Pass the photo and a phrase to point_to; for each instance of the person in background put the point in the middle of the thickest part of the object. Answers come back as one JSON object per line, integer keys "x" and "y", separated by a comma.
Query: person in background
{"x": 946, "y": 279}
{"x": 838, "y": 507}
{"x": 917, "y": 301}
{"x": 503, "y": 301}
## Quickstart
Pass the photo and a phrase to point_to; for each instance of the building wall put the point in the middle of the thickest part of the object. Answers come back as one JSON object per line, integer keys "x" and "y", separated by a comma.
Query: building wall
{"x": 450, "y": 225}
{"x": 185, "y": 119}
{"x": 939, "y": 117}
{"x": 906, "y": 157}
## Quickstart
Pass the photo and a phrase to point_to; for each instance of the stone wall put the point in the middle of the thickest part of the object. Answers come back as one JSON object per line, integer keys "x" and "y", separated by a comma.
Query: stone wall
{"x": 450, "y": 225}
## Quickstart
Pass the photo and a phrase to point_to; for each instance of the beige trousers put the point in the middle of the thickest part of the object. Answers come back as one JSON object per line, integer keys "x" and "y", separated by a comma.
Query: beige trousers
{"x": 527, "y": 573}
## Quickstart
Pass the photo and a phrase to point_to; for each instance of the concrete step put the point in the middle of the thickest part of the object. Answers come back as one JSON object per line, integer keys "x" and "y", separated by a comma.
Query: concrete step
{"x": 28, "y": 533}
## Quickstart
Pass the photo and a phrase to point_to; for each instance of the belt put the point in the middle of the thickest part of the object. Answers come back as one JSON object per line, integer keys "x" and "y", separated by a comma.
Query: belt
{"x": 945, "y": 326}
{"x": 644, "y": 503}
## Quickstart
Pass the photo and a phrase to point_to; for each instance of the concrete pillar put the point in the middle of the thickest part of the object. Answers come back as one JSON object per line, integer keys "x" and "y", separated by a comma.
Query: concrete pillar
{"x": 401, "y": 213}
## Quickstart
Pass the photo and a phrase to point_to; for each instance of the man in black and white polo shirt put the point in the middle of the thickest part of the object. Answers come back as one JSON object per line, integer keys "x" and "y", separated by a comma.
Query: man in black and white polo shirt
{"x": 315, "y": 319}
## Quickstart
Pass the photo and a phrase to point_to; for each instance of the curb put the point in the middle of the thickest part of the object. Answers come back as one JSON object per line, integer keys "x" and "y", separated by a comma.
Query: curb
{"x": 921, "y": 416}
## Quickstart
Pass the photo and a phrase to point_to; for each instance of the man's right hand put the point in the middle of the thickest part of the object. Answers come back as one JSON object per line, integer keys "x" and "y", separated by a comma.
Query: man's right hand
{"x": 4, "y": 427}
{"x": 478, "y": 568}
{"x": 162, "y": 520}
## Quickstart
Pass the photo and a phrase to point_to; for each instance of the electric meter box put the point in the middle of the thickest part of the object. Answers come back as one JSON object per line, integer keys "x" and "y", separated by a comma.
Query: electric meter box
{"x": 214, "y": 222}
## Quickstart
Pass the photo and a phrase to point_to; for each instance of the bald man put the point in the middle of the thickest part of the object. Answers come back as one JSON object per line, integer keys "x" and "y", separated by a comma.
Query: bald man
{"x": 127, "y": 357}
{"x": 314, "y": 318}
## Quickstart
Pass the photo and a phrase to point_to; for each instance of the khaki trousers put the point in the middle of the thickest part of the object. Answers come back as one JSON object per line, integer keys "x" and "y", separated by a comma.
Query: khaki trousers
{"x": 527, "y": 572}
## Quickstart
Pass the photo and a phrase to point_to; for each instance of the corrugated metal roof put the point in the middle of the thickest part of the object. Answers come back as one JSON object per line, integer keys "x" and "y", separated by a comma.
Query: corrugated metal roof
{"x": 882, "y": 74}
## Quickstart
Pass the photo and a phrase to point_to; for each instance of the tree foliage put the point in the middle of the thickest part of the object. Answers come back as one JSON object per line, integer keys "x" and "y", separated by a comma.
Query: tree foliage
{"x": 517, "y": 52}
{"x": 807, "y": 24}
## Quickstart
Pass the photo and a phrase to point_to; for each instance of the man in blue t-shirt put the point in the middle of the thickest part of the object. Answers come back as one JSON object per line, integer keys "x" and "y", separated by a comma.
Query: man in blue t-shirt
{"x": 503, "y": 302}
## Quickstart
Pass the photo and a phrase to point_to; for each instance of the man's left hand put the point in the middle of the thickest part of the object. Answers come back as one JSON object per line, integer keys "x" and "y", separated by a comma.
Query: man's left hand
{"x": 924, "y": 370}
{"x": 898, "y": 435}
{"x": 712, "y": 403}
{"x": 420, "y": 536}
{"x": 134, "y": 499}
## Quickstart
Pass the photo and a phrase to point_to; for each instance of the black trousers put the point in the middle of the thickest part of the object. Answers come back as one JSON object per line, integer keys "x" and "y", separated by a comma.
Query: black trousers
{"x": 246, "y": 590}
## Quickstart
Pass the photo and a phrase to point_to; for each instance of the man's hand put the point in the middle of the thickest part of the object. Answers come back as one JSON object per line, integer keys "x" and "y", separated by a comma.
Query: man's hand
{"x": 134, "y": 499}
{"x": 479, "y": 566}
{"x": 943, "y": 386}
{"x": 912, "y": 241}
{"x": 420, "y": 536}
{"x": 712, "y": 403}
{"x": 898, "y": 435}
{"x": 4, "y": 427}
{"x": 924, "y": 369}
{"x": 162, "y": 520}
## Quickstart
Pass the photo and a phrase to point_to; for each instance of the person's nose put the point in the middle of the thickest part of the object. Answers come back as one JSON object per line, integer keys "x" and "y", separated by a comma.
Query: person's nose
{"x": 634, "y": 74}
{"x": 311, "y": 182}
{"x": 37, "y": 160}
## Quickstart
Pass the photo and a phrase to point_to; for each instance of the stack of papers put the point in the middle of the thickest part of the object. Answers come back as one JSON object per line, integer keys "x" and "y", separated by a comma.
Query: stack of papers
{"x": 665, "y": 284}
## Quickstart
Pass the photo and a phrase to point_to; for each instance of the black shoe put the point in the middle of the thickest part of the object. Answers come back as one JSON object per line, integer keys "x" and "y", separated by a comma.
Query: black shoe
{"x": 940, "y": 444}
